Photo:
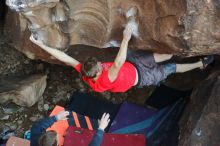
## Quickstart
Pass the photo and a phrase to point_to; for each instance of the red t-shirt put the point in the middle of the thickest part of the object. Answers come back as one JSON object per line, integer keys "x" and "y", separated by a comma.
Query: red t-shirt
{"x": 125, "y": 79}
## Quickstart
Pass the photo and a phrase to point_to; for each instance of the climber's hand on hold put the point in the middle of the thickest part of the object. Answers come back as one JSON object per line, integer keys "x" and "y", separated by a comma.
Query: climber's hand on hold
{"x": 36, "y": 40}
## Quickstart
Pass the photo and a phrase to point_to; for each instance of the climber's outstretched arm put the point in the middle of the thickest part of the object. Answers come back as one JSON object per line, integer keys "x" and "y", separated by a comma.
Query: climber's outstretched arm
{"x": 121, "y": 56}
{"x": 56, "y": 53}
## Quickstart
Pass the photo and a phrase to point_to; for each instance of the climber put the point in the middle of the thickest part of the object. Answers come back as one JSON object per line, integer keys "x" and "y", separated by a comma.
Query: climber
{"x": 140, "y": 69}
{"x": 41, "y": 137}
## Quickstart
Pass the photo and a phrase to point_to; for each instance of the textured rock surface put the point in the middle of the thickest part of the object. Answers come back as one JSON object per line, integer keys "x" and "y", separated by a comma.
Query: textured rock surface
{"x": 183, "y": 27}
{"x": 200, "y": 124}
{"x": 23, "y": 92}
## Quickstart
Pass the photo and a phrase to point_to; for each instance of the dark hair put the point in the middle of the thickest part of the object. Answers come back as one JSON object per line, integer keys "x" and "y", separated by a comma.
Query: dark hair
{"x": 89, "y": 67}
{"x": 48, "y": 139}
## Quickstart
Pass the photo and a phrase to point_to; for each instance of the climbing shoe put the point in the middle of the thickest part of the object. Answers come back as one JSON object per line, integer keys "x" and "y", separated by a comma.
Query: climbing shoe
{"x": 207, "y": 60}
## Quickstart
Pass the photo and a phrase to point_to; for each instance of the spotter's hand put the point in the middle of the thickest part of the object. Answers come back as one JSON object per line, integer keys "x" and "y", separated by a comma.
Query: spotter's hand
{"x": 103, "y": 123}
{"x": 62, "y": 115}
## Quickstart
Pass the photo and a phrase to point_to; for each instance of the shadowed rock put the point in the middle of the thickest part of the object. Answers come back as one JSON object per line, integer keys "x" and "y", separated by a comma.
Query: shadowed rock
{"x": 22, "y": 91}
{"x": 182, "y": 27}
{"x": 200, "y": 124}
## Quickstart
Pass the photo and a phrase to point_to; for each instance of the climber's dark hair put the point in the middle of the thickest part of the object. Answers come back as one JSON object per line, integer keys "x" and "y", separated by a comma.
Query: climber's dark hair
{"x": 90, "y": 67}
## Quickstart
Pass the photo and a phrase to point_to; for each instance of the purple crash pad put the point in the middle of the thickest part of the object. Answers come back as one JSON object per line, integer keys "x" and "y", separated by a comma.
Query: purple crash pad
{"x": 132, "y": 118}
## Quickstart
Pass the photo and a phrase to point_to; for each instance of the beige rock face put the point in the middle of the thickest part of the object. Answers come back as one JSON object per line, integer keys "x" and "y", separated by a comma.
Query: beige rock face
{"x": 23, "y": 92}
{"x": 183, "y": 27}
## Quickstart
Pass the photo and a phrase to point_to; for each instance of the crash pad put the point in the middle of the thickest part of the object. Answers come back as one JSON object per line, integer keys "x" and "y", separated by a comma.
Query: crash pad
{"x": 133, "y": 118}
{"x": 90, "y": 105}
{"x": 73, "y": 120}
{"x": 82, "y": 137}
